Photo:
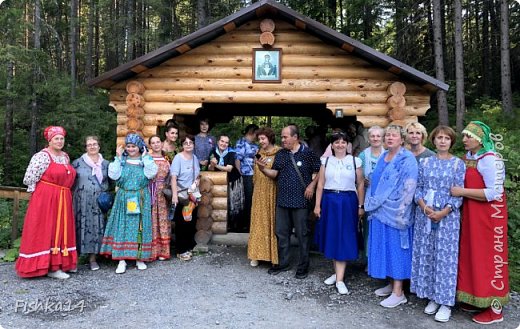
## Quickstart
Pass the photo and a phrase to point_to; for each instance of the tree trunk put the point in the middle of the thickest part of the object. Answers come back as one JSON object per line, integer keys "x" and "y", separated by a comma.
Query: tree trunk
{"x": 485, "y": 44}
{"x": 400, "y": 23}
{"x": 89, "y": 71}
{"x": 505, "y": 61}
{"x": 96, "y": 51}
{"x": 73, "y": 45}
{"x": 442, "y": 103}
{"x": 9, "y": 127}
{"x": 201, "y": 14}
{"x": 459, "y": 67}
{"x": 494, "y": 68}
{"x": 331, "y": 14}
{"x": 33, "y": 145}
{"x": 130, "y": 30}
{"x": 166, "y": 22}
{"x": 368, "y": 19}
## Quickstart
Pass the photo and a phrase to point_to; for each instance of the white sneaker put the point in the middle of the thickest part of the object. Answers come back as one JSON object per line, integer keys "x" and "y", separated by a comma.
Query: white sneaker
{"x": 254, "y": 263}
{"x": 59, "y": 274}
{"x": 431, "y": 308}
{"x": 121, "y": 267}
{"x": 393, "y": 301}
{"x": 443, "y": 314}
{"x": 141, "y": 265}
{"x": 385, "y": 291}
{"x": 74, "y": 270}
{"x": 330, "y": 280}
{"x": 342, "y": 288}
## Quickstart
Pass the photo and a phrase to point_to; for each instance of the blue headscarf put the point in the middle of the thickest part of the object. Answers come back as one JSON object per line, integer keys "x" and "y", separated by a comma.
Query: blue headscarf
{"x": 136, "y": 140}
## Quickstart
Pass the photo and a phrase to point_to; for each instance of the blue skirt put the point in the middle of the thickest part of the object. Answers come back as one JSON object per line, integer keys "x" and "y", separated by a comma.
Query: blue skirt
{"x": 336, "y": 229}
{"x": 386, "y": 258}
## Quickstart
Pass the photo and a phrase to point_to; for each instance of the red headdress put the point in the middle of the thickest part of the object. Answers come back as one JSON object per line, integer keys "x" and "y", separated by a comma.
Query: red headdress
{"x": 52, "y": 131}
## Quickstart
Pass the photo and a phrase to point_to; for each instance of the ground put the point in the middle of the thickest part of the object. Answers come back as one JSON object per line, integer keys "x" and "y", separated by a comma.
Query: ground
{"x": 215, "y": 290}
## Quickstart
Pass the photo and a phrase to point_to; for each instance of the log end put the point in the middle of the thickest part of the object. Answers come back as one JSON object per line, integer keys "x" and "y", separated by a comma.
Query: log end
{"x": 267, "y": 39}
{"x": 267, "y": 25}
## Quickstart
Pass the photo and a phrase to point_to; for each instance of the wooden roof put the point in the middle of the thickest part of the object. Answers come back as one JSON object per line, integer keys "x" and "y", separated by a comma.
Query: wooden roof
{"x": 267, "y": 9}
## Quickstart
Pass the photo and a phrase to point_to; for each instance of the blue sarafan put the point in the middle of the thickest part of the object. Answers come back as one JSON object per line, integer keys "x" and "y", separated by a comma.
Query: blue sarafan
{"x": 105, "y": 201}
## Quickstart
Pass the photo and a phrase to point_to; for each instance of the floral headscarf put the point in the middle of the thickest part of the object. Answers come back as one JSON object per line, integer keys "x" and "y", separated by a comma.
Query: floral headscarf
{"x": 136, "y": 140}
{"x": 52, "y": 131}
{"x": 482, "y": 133}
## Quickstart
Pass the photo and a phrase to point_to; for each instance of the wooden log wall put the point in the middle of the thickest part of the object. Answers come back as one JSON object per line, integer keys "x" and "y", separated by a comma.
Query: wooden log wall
{"x": 221, "y": 72}
{"x": 212, "y": 209}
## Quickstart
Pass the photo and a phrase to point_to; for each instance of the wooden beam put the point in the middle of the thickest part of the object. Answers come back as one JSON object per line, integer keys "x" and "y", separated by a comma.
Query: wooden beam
{"x": 281, "y": 36}
{"x": 246, "y": 60}
{"x": 233, "y": 48}
{"x": 347, "y": 47}
{"x": 188, "y": 96}
{"x": 286, "y": 84}
{"x": 230, "y": 27}
{"x": 161, "y": 108}
{"x": 288, "y": 72}
{"x": 183, "y": 48}
{"x": 352, "y": 109}
{"x": 300, "y": 24}
{"x": 395, "y": 70}
{"x": 139, "y": 68}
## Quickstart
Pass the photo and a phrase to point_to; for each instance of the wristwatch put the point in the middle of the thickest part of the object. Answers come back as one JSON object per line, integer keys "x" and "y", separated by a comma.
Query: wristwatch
{"x": 361, "y": 206}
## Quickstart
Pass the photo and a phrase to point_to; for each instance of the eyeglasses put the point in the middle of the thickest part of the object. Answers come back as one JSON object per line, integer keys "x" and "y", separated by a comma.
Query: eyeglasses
{"x": 93, "y": 145}
{"x": 187, "y": 143}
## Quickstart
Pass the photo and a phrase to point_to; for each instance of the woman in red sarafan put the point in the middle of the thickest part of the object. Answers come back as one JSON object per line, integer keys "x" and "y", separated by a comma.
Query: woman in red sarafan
{"x": 483, "y": 276}
{"x": 48, "y": 244}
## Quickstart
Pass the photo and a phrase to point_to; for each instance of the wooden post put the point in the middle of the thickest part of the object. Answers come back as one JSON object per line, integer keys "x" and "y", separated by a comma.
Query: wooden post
{"x": 14, "y": 224}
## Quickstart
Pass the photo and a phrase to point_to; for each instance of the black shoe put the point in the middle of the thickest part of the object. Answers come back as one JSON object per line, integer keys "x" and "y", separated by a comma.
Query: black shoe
{"x": 276, "y": 269}
{"x": 301, "y": 274}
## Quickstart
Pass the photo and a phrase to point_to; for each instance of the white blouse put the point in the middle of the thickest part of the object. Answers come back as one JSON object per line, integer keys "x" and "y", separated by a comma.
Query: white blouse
{"x": 492, "y": 170}
{"x": 38, "y": 165}
{"x": 340, "y": 173}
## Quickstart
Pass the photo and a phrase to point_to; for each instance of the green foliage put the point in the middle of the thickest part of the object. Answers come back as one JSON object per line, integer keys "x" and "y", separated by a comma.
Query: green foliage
{"x": 86, "y": 114}
{"x": 12, "y": 254}
{"x": 6, "y": 215}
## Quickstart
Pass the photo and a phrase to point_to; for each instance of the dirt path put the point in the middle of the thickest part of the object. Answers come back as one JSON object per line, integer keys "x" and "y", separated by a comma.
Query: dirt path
{"x": 215, "y": 290}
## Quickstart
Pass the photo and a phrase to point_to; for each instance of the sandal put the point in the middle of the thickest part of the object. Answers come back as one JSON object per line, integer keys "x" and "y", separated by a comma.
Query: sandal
{"x": 184, "y": 256}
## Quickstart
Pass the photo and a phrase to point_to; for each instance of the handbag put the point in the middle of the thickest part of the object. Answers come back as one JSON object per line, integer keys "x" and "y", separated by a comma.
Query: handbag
{"x": 105, "y": 200}
{"x": 183, "y": 196}
{"x": 167, "y": 192}
{"x": 132, "y": 206}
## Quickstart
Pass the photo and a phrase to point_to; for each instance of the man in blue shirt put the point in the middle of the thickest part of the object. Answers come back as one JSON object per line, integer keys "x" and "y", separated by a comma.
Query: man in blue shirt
{"x": 245, "y": 154}
{"x": 293, "y": 168}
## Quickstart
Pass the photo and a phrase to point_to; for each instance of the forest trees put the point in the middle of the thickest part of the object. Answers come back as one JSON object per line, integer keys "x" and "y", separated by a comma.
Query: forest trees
{"x": 51, "y": 48}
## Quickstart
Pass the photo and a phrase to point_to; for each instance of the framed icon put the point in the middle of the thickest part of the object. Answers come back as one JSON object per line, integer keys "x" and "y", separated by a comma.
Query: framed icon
{"x": 267, "y": 65}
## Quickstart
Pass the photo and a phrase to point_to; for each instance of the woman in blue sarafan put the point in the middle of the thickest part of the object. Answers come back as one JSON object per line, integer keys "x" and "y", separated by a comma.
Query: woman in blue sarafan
{"x": 128, "y": 233}
{"x": 389, "y": 205}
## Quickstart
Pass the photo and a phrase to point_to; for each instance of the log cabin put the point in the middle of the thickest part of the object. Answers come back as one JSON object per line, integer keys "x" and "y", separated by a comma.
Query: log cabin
{"x": 220, "y": 70}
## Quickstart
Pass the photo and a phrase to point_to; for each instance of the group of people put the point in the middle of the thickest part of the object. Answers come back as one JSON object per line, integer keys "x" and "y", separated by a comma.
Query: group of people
{"x": 413, "y": 198}
{"x": 424, "y": 216}
{"x": 430, "y": 218}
